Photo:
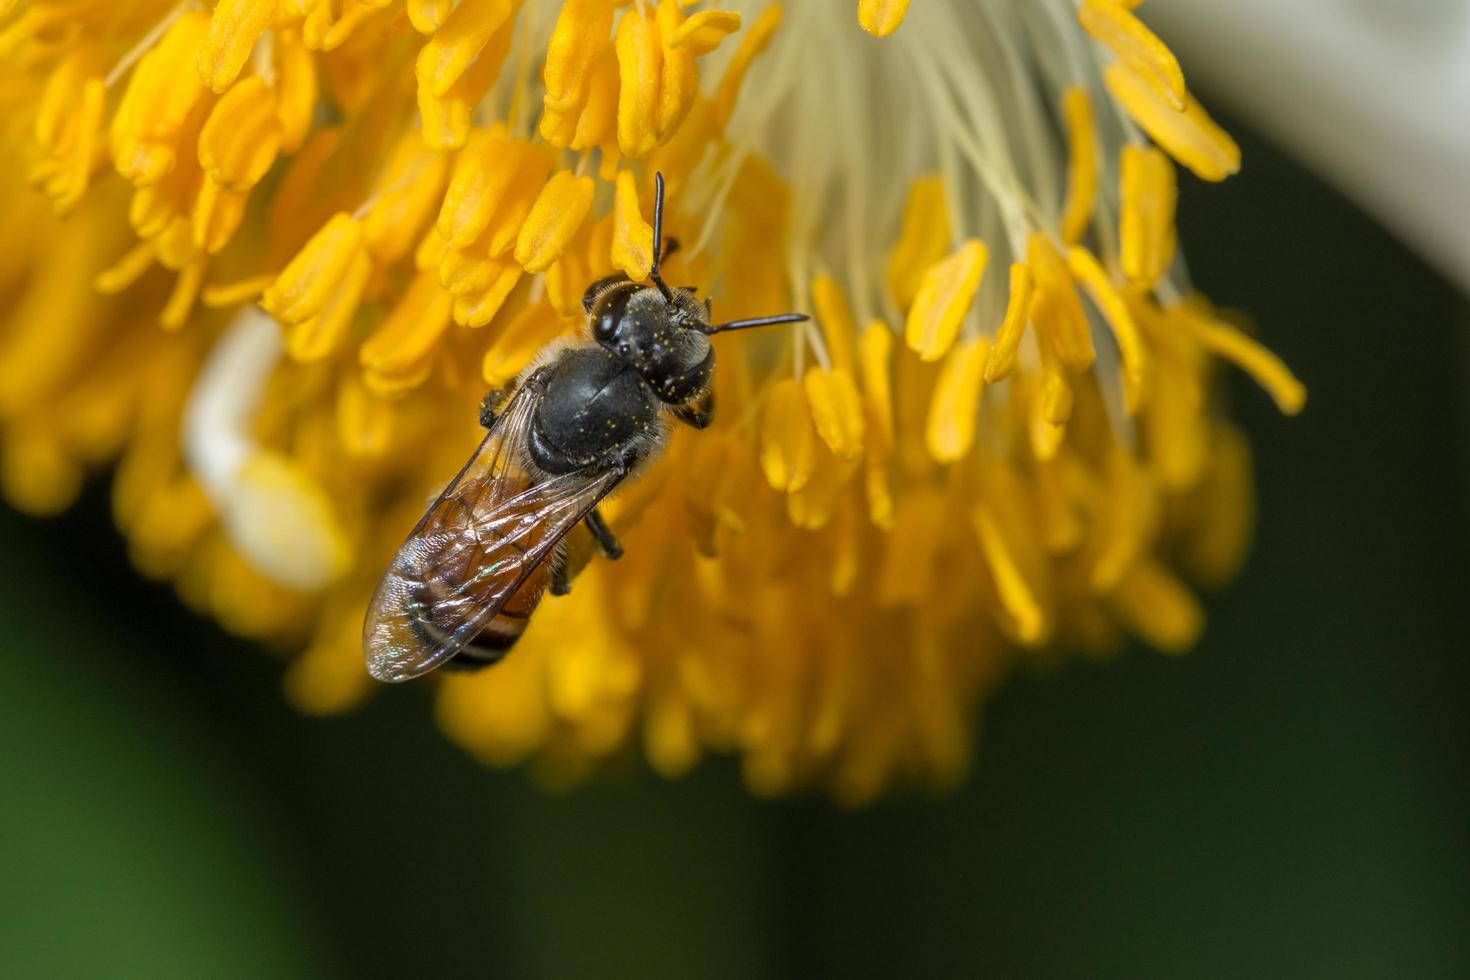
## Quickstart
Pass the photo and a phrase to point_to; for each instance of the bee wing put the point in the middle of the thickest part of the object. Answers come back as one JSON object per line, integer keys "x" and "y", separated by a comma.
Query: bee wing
{"x": 489, "y": 530}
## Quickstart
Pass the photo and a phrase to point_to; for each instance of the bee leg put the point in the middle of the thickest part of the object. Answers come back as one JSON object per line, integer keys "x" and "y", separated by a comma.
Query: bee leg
{"x": 561, "y": 582}
{"x": 489, "y": 406}
{"x": 698, "y": 413}
{"x": 606, "y": 540}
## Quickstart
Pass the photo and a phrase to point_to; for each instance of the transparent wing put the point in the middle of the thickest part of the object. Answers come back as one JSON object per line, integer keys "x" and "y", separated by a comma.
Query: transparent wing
{"x": 490, "y": 530}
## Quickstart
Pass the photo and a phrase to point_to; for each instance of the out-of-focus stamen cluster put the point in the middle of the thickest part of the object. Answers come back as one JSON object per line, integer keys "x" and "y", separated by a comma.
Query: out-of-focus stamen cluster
{"x": 1000, "y": 436}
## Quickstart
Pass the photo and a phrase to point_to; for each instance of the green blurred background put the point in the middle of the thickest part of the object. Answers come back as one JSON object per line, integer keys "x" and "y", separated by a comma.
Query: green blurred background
{"x": 1288, "y": 800}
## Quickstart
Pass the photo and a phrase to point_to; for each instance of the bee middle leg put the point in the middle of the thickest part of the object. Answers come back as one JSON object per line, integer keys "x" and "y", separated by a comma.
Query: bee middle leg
{"x": 561, "y": 579}
{"x": 606, "y": 540}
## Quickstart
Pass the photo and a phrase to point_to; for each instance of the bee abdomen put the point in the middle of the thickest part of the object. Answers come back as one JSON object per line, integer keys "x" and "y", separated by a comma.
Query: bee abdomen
{"x": 493, "y": 643}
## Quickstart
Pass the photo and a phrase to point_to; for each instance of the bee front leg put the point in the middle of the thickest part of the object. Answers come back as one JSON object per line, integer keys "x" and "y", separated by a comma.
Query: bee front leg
{"x": 490, "y": 406}
{"x": 698, "y": 413}
{"x": 606, "y": 540}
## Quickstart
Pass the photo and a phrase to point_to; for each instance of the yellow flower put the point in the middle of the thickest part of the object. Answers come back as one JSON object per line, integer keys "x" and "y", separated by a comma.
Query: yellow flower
{"x": 999, "y": 432}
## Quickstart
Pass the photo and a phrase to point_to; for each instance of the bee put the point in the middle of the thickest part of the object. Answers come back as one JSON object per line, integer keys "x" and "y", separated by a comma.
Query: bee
{"x": 580, "y": 420}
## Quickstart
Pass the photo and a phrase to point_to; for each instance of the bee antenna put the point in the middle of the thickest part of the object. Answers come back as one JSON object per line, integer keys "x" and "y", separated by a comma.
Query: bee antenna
{"x": 760, "y": 321}
{"x": 658, "y": 237}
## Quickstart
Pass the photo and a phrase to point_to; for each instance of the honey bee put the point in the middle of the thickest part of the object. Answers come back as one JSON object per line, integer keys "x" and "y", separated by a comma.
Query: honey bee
{"x": 577, "y": 423}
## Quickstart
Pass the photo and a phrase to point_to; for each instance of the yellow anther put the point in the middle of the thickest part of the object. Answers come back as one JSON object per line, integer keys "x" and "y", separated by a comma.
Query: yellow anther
{"x": 1115, "y": 311}
{"x": 1190, "y": 136}
{"x": 678, "y": 77}
{"x": 163, "y": 91}
{"x": 922, "y": 240}
{"x": 303, "y": 288}
{"x": 397, "y": 356}
{"x": 875, "y": 356}
{"x": 456, "y": 45}
{"x": 1137, "y": 47}
{"x": 1016, "y": 592}
{"x": 640, "y": 66}
{"x": 242, "y": 135}
{"x": 632, "y": 245}
{"x": 881, "y": 17}
{"x": 704, "y": 31}
{"x": 530, "y": 330}
{"x": 837, "y": 410}
{"x": 577, "y": 43}
{"x": 788, "y": 442}
{"x": 953, "y": 409}
{"x": 1146, "y": 223}
{"x": 1081, "y": 164}
{"x": 751, "y": 45}
{"x": 478, "y": 307}
{"x": 1056, "y": 311}
{"x": 558, "y": 213}
{"x": 127, "y": 270}
{"x": 1156, "y": 605}
{"x": 944, "y": 297}
{"x": 1266, "y": 368}
{"x": 233, "y": 30}
{"x": 296, "y": 89}
{"x": 834, "y": 316}
{"x": 411, "y": 185}
{"x": 427, "y": 16}
{"x": 1002, "y": 358}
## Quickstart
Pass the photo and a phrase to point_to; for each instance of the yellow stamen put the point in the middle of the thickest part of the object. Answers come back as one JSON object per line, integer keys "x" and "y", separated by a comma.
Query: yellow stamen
{"x": 1056, "y": 310}
{"x": 1002, "y": 358}
{"x": 234, "y": 293}
{"x": 427, "y": 16}
{"x": 556, "y": 216}
{"x": 837, "y": 410}
{"x": 530, "y": 330}
{"x": 455, "y": 45}
{"x": 163, "y": 91}
{"x": 396, "y": 357}
{"x": 477, "y": 307}
{"x": 1137, "y": 47}
{"x": 1146, "y": 224}
{"x": 181, "y": 300}
{"x": 678, "y": 75}
{"x": 943, "y": 299}
{"x": 318, "y": 335}
{"x": 242, "y": 135}
{"x": 308, "y": 281}
{"x": 788, "y": 442}
{"x": 632, "y": 248}
{"x": 704, "y": 31}
{"x": 1115, "y": 311}
{"x": 578, "y": 42}
{"x": 296, "y": 89}
{"x": 1266, "y": 368}
{"x": 922, "y": 241}
{"x": 127, "y": 270}
{"x": 1190, "y": 136}
{"x": 1081, "y": 164}
{"x": 1016, "y": 593}
{"x": 233, "y": 31}
{"x": 1157, "y": 606}
{"x": 751, "y": 45}
{"x": 640, "y": 67}
{"x": 412, "y": 184}
{"x": 881, "y": 17}
{"x": 834, "y": 316}
{"x": 956, "y": 401}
